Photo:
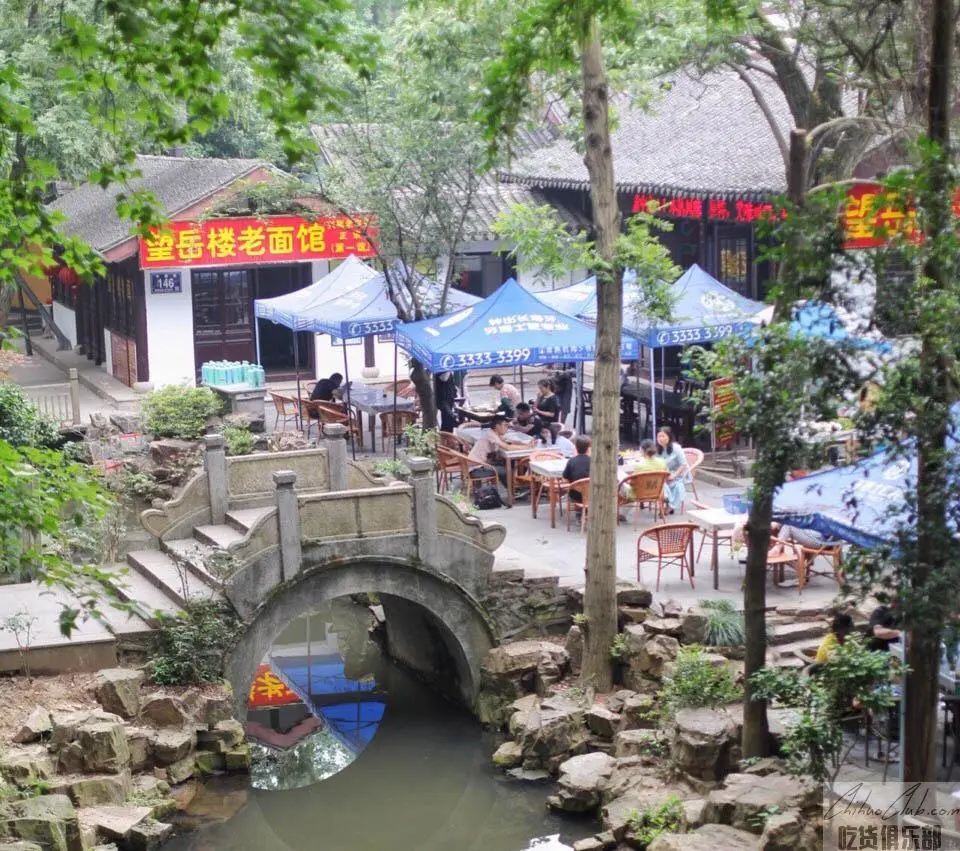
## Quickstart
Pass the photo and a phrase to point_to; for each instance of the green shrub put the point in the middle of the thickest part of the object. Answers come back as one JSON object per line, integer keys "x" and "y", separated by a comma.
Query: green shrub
{"x": 696, "y": 683}
{"x": 421, "y": 442}
{"x": 389, "y": 468}
{"x": 190, "y": 647}
{"x": 22, "y": 423}
{"x": 725, "y": 626}
{"x": 239, "y": 440}
{"x": 180, "y": 412}
{"x": 646, "y": 825}
{"x": 618, "y": 645}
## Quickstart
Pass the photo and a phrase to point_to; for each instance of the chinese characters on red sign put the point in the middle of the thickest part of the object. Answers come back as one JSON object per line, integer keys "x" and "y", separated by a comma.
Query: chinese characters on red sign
{"x": 269, "y": 690}
{"x": 722, "y": 399}
{"x": 280, "y": 239}
{"x": 717, "y": 209}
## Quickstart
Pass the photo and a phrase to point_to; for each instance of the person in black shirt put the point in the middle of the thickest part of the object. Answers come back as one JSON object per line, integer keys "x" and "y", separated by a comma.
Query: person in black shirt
{"x": 578, "y": 467}
{"x": 446, "y": 396}
{"x": 525, "y": 421}
{"x": 325, "y": 387}
{"x": 883, "y": 628}
{"x": 547, "y": 406}
{"x": 563, "y": 386}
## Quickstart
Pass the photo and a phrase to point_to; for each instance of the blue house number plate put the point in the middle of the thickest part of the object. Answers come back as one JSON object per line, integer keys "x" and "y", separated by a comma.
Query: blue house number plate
{"x": 165, "y": 282}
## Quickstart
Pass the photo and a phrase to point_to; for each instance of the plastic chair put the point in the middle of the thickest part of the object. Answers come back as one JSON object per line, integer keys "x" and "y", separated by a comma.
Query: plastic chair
{"x": 641, "y": 489}
{"x": 452, "y": 463}
{"x": 582, "y": 487}
{"x": 672, "y": 544}
{"x": 694, "y": 460}
{"x": 286, "y": 408}
{"x": 393, "y": 423}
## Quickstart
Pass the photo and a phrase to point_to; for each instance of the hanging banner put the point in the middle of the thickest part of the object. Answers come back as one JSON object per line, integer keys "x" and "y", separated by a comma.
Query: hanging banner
{"x": 268, "y": 689}
{"x": 236, "y": 242}
{"x": 722, "y": 400}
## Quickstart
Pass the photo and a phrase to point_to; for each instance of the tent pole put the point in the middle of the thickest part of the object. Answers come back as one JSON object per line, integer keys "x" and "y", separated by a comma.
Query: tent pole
{"x": 637, "y": 374}
{"x": 395, "y": 380}
{"x": 653, "y": 391}
{"x": 346, "y": 378}
{"x": 256, "y": 337}
{"x": 521, "y": 381}
{"x": 296, "y": 366}
{"x": 663, "y": 374}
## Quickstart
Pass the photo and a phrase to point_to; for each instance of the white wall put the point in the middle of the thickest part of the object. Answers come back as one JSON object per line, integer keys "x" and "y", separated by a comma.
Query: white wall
{"x": 66, "y": 321}
{"x": 329, "y": 359}
{"x": 170, "y": 333}
{"x": 529, "y": 279}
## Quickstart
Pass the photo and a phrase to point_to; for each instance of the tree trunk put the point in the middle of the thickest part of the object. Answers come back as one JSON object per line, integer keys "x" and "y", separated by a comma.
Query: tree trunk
{"x": 756, "y": 733}
{"x": 600, "y": 597}
{"x": 933, "y": 534}
{"x": 423, "y": 383}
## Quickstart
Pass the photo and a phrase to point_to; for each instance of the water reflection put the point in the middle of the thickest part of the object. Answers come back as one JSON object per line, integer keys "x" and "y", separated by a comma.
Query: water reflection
{"x": 307, "y": 719}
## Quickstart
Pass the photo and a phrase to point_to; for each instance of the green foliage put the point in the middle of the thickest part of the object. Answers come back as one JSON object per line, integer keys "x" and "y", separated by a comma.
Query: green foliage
{"x": 190, "y": 647}
{"x": 180, "y": 412}
{"x": 619, "y": 645}
{"x": 239, "y": 440}
{"x": 389, "y": 468}
{"x": 22, "y": 423}
{"x": 261, "y": 199}
{"x": 853, "y": 676}
{"x": 421, "y": 442}
{"x": 696, "y": 683}
{"x": 725, "y": 627}
{"x": 134, "y": 483}
{"x": 647, "y": 824}
{"x": 538, "y": 232}
{"x": 20, "y": 625}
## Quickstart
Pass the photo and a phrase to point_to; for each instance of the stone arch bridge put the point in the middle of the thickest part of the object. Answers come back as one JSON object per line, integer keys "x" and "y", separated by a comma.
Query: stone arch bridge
{"x": 279, "y": 534}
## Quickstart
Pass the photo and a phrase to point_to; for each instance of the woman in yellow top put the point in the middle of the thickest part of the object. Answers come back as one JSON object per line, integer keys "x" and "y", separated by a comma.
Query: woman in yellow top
{"x": 841, "y": 627}
{"x": 649, "y": 461}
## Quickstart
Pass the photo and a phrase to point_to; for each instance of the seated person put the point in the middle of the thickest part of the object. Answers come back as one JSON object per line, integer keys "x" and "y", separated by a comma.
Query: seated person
{"x": 326, "y": 388}
{"x": 808, "y": 538}
{"x": 509, "y": 395}
{"x": 841, "y": 627}
{"x": 883, "y": 628}
{"x": 550, "y": 438}
{"x": 487, "y": 450}
{"x": 649, "y": 462}
{"x": 578, "y": 467}
{"x": 526, "y": 421}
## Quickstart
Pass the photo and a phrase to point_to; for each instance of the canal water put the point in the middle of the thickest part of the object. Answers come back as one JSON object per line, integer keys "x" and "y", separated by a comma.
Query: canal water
{"x": 354, "y": 754}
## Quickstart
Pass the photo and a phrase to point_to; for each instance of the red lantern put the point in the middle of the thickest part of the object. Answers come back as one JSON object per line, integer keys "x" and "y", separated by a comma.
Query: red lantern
{"x": 68, "y": 277}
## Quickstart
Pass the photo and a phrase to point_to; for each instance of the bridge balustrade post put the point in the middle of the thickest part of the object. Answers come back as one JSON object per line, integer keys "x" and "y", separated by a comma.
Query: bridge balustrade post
{"x": 336, "y": 446}
{"x": 74, "y": 395}
{"x": 424, "y": 508}
{"x": 215, "y": 463}
{"x": 288, "y": 519}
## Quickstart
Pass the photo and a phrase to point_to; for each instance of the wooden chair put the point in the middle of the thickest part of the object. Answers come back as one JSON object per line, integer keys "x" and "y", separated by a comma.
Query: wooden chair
{"x": 451, "y": 441}
{"x": 694, "y": 460}
{"x": 331, "y": 414}
{"x": 392, "y": 423}
{"x": 452, "y": 463}
{"x": 832, "y": 550}
{"x": 286, "y": 408}
{"x": 781, "y": 555}
{"x": 670, "y": 544}
{"x": 643, "y": 489}
{"x": 582, "y": 487}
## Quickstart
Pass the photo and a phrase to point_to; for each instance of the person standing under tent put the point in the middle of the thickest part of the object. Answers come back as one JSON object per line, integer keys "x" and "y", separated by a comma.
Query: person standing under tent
{"x": 446, "y": 394}
{"x": 547, "y": 406}
{"x": 563, "y": 385}
{"x": 675, "y": 488}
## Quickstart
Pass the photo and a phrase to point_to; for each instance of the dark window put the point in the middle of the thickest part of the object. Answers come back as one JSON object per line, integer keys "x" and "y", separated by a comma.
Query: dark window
{"x": 118, "y": 300}
{"x": 734, "y": 263}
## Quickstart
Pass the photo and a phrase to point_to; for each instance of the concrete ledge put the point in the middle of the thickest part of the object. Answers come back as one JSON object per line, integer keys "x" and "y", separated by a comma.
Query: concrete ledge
{"x": 91, "y": 376}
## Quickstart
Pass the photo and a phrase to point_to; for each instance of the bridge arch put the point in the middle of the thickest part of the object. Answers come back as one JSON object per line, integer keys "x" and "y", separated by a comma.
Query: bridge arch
{"x": 405, "y": 588}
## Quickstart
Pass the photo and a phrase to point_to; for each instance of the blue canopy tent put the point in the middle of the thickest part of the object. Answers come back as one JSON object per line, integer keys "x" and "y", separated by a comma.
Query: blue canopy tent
{"x": 511, "y": 327}
{"x": 817, "y": 319}
{"x": 863, "y": 503}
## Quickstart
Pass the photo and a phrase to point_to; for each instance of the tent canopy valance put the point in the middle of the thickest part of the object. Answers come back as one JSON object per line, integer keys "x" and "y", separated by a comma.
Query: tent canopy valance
{"x": 294, "y": 309}
{"x": 511, "y": 327}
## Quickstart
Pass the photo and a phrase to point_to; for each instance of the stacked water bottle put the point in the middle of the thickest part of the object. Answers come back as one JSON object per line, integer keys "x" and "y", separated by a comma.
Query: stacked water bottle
{"x": 224, "y": 372}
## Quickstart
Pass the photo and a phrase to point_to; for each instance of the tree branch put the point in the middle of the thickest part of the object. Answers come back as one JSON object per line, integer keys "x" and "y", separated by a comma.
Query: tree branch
{"x": 765, "y": 109}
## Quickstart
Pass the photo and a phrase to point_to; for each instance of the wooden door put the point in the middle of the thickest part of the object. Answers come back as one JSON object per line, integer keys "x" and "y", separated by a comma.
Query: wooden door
{"x": 222, "y": 315}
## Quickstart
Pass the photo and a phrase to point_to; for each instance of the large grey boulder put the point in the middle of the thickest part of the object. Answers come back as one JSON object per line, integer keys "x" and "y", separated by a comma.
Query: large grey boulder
{"x": 163, "y": 710}
{"x": 703, "y": 742}
{"x": 745, "y": 799}
{"x": 24, "y": 766}
{"x": 114, "y": 823}
{"x": 104, "y": 746}
{"x": 91, "y": 790}
{"x": 710, "y": 837}
{"x": 693, "y": 626}
{"x": 602, "y": 722}
{"x": 616, "y": 815}
{"x": 118, "y": 691}
{"x": 663, "y": 626}
{"x": 580, "y": 781}
{"x": 170, "y": 746}
{"x": 49, "y": 820}
{"x": 211, "y": 709}
{"x": 657, "y": 652}
{"x": 574, "y": 647}
{"x": 548, "y": 735}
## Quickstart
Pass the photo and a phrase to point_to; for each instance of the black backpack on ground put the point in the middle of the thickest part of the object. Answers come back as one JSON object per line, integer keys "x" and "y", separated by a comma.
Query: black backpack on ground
{"x": 486, "y": 497}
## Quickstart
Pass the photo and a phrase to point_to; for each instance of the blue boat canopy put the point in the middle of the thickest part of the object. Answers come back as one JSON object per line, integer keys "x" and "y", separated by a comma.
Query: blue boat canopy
{"x": 511, "y": 327}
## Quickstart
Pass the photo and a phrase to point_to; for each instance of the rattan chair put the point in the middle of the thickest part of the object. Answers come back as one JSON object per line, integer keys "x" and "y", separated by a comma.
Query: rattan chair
{"x": 331, "y": 414}
{"x": 582, "y": 487}
{"x": 451, "y": 441}
{"x": 286, "y": 408}
{"x": 451, "y": 463}
{"x": 392, "y": 423}
{"x": 694, "y": 460}
{"x": 670, "y": 544}
{"x": 644, "y": 489}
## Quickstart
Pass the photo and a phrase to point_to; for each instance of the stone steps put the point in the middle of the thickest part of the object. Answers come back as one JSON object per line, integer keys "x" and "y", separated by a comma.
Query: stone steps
{"x": 133, "y": 587}
{"x": 244, "y": 519}
{"x": 179, "y": 583}
{"x": 790, "y": 633}
{"x": 220, "y": 536}
{"x": 193, "y": 555}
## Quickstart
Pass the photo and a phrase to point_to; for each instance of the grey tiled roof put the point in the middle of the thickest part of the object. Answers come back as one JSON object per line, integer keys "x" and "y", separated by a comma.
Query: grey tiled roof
{"x": 492, "y": 195}
{"x": 699, "y": 135}
{"x": 178, "y": 182}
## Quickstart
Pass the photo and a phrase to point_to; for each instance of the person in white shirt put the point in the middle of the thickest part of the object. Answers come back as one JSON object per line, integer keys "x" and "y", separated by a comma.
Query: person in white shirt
{"x": 550, "y": 438}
